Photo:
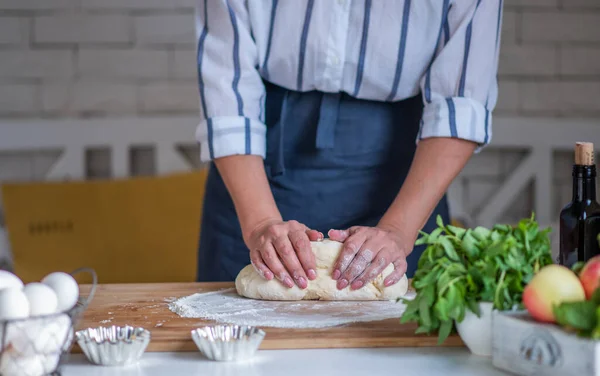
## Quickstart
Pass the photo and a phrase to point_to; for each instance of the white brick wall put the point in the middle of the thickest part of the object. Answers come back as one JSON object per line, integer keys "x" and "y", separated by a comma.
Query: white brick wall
{"x": 550, "y": 58}
{"x": 71, "y": 58}
{"x": 580, "y": 60}
{"x": 184, "y": 64}
{"x": 508, "y": 97}
{"x": 138, "y": 4}
{"x": 561, "y": 97}
{"x": 12, "y": 30}
{"x": 169, "y": 97}
{"x": 533, "y": 3}
{"x": 140, "y": 53}
{"x": 82, "y": 28}
{"x": 103, "y": 97}
{"x": 38, "y": 5}
{"x": 530, "y": 61}
{"x": 18, "y": 98}
{"x": 126, "y": 64}
{"x": 565, "y": 26}
{"x": 510, "y": 20}
{"x": 581, "y": 4}
{"x": 90, "y": 98}
{"x": 168, "y": 28}
{"x": 54, "y": 64}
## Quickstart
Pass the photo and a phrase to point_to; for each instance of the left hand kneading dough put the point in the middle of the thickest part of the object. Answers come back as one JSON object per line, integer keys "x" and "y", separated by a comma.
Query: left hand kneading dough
{"x": 251, "y": 285}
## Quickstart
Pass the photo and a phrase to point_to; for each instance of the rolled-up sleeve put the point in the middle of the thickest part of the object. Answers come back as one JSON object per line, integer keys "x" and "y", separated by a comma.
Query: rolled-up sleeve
{"x": 460, "y": 87}
{"x": 230, "y": 87}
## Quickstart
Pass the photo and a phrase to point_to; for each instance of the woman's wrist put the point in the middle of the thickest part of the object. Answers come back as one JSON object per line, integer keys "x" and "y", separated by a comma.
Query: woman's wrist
{"x": 436, "y": 163}
{"x": 255, "y": 223}
{"x": 407, "y": 231}
{"x": 247, "y": 184}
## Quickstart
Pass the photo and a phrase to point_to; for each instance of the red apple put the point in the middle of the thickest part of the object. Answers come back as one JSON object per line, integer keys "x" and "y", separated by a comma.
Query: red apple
{"x": 552, "y": 285}
{"x": 590, "y": 276}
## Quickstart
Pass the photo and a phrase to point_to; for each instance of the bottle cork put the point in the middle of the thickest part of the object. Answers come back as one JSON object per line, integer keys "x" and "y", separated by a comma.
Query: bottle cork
{"x": 584, "y": 153}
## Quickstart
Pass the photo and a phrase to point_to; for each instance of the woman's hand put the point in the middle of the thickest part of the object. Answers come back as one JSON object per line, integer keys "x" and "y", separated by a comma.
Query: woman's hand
{"x": 282, "y": 250}
{"x": 278, "y": 249}
{"x": 366, "y": 253}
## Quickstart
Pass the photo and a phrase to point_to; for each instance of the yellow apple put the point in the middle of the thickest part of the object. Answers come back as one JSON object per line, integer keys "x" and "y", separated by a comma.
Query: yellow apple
{"x": 552, "y": 285}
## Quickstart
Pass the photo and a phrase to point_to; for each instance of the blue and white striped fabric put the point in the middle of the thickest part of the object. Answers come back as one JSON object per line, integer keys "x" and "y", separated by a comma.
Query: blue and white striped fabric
{"x": 385, "y": 50}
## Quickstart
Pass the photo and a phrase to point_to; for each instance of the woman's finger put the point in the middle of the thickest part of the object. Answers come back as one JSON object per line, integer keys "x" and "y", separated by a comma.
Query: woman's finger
{"x": 260, "y": 266}
{"x": 271, "y": 259}
{"x": 288, "y": 256}
{"x": 349, "y": 250}
{"x": 342, "y": 235}
{"x": 314, "y": 235}
{"x": 400, "y": 266}
{"x": 361, "y": 261}
{"x": 379, "y": 263}
{"x": 301, "y": 243}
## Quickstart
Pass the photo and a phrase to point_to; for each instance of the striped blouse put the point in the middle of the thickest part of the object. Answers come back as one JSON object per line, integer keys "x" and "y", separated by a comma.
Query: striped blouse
{"x": 386, "y": 50}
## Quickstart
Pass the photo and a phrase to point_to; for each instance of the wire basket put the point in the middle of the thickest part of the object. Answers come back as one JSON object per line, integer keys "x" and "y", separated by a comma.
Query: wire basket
{"x": 40, "y": 345}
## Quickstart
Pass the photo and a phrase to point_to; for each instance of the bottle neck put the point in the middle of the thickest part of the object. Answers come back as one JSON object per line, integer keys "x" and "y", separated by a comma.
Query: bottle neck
{"x": 584, "y": 183}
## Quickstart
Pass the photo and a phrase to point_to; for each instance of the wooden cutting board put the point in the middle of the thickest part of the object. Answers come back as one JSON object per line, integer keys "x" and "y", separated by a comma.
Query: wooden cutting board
{"x": 146, "y": 305}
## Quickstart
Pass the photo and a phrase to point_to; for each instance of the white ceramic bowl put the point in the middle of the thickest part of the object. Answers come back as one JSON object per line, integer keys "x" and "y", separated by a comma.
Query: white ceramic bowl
{"x": 476, "y": 332}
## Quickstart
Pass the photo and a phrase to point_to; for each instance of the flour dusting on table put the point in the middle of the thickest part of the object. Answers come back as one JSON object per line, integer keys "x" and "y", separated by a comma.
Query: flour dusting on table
{"x": 227, "y": 307}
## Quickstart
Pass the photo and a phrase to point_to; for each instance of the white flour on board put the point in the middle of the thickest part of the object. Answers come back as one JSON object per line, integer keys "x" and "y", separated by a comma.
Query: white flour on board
{"x": 227, "y": 307}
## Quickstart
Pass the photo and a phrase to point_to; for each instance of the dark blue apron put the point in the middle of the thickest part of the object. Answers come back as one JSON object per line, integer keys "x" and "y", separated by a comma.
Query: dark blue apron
{"x": 332, "y": 161}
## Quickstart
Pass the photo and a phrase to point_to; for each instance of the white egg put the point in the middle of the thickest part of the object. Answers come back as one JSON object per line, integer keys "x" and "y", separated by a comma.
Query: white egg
{"x": 8, "y": 279}
{"x": 42, "y": 299}
{"x": 65, "y": 287}
{"x": 13, "y": 304}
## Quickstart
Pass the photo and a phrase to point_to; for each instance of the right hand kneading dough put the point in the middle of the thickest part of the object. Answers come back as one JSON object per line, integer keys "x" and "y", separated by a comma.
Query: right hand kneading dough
{"x": 251, "y": 285}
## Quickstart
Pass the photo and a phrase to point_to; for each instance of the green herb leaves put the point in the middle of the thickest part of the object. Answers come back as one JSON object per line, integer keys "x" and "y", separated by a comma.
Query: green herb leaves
{"x": 462, "y": 267}
{"x": 580, "y": 316}
{"x": 583, "y": 317}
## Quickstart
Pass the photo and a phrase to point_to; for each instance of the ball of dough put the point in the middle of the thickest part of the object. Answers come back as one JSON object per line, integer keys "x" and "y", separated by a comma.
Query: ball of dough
{"x": 251, "y": 285}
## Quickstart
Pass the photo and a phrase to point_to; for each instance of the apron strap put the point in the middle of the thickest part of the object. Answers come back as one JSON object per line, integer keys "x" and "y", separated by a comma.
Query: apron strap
{"x": 328, "y": 116}
{"x": 325, "y": 139}
{"x": 279, "y": 167}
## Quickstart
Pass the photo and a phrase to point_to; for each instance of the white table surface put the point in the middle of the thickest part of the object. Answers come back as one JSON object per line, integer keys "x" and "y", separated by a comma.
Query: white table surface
{"x": 330, "y": 362}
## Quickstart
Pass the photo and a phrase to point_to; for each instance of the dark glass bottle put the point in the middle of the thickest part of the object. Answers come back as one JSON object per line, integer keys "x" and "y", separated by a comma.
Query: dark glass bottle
{"x": 580, "y": 218}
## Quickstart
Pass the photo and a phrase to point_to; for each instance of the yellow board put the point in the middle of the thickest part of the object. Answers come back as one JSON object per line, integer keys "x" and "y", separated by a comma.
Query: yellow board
{"x": 134, "y": 230}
